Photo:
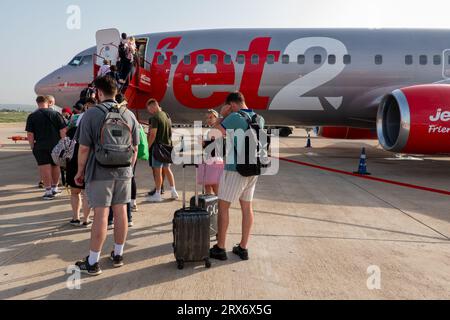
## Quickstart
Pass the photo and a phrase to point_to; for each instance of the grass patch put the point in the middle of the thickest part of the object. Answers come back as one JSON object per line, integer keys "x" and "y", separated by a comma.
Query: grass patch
{"x": 13, "y": 116}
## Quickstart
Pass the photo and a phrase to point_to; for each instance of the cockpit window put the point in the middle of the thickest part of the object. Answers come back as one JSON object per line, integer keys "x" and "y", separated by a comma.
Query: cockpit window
{"x": 76, "y": 61}
{"x": 87, "y": 60}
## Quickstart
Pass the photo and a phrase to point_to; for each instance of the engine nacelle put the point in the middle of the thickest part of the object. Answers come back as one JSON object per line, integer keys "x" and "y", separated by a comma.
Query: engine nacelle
{"x": 416, "y": 120}
{"x": 346, "y": 133}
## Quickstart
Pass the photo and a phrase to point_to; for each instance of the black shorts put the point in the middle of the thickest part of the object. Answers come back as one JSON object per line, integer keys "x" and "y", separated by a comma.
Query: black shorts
{"x": 43, "y": 157}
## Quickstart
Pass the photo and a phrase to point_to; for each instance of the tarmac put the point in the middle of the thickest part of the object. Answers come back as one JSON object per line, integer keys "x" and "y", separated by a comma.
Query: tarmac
{"x": 317, "y": 234}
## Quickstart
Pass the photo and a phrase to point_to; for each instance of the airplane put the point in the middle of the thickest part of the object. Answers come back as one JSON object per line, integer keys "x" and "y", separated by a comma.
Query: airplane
{"x": 390, "y": 84}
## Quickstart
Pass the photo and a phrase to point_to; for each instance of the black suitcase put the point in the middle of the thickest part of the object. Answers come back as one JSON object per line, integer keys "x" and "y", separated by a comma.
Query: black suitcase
{"x": 209, "y": 203}
{"x": 191, "y": 232}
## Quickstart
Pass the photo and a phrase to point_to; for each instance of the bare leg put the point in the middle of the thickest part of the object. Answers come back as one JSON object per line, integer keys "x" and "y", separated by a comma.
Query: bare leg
{"x": 157, "y": 175}
{"x": 75, "y": 201}
{"x": 56, "y": 173}
{"x": 169, "y": 175}
{"x": 86, "y": 209}
{"x": 247, "y": 222}
{"x": 120, "y": 224}
{"x": 99, "y": 229}
{"x": 224, "y": 220}
{"x": 46, "y": 175}
{"x": 216, "y": 189}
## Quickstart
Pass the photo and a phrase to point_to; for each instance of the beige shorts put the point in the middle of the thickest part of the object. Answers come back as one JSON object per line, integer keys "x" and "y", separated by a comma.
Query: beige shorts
{"x": 234, "y": 187}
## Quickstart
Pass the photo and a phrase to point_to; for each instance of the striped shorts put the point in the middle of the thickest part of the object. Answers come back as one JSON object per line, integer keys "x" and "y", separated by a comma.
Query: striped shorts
{"x": 234, "y": 187}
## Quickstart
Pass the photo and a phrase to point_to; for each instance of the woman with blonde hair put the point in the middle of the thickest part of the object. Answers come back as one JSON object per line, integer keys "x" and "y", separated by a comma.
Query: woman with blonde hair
{"x": 211, "y": 170}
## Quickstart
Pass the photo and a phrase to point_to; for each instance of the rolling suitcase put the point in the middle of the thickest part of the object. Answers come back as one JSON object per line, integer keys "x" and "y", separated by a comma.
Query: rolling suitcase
{"x": 210, "y": 203}
{"x": 191, "y": 232}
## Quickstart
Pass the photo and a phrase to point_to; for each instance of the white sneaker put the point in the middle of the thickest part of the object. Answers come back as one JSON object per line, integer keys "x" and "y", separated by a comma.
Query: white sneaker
{"x": 154, "y": 198}
{"x": 175, "y": 195}
{"x": 130, "y": 224}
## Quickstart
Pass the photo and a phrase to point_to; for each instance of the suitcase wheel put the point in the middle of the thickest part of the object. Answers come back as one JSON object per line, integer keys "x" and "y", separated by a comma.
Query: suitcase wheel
{"x": 207, "y": 263}
{"x": 180, "y": 264}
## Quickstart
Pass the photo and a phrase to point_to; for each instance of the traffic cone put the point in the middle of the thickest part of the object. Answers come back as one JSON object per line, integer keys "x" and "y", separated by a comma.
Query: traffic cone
{"x": 308, "y": 144}
{"x": 362, "y": 170}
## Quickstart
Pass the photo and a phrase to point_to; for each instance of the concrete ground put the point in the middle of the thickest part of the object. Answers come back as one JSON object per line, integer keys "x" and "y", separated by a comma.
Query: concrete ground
{"x": 317, "y": 235}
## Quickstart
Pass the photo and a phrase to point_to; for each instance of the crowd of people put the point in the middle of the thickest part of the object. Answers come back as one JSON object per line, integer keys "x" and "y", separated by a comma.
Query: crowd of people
{"x": 101, "y": 177}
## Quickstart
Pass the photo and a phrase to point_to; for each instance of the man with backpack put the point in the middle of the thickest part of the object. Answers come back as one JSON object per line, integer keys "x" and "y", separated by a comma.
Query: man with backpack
{"x": 108, "y": 138}
{"x": 239, "y": 180}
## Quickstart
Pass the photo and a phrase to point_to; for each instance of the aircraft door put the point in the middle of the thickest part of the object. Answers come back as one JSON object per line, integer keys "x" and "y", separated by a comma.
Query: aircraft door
{"x": 108, "y": 41}
{"x": 446, "y": 64}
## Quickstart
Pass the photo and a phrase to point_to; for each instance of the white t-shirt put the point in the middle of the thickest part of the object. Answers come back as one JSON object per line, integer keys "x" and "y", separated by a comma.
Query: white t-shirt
{"x": 104, "y": 70}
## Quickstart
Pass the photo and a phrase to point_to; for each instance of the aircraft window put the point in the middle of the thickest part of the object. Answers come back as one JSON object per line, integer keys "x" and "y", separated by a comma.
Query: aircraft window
{"x": 301, "y": 59}
{"x": 227, "y": 59}
{"x": 174, "y": 59}
{"x": 87, "y": 60}
{"x": 240, "y": 59}
{"x": 378, "y": 59}
{"x": 347, "y": 59}
{"x": 437, "y": 60}
{"x": 332, "y": 59}
{"x": 187, "y": 60}
{"x": 255, "y": 59}
{"x": 161, "y": 59}
{"x": 76, "y": 61}
{"x": 448, "y": 60}
{"x": 317, "y": 59}
{"x": 423, "y": 59}
{"x": 200, "y": 59}
{"x": 285, "y": 59}
{"x": 409, "y": 60}
{"x": 270, "y": 59}
{"x": 214, "y": 59}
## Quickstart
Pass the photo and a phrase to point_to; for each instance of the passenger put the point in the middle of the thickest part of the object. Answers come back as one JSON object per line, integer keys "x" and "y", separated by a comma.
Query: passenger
{"x": 104, "y": 69}
{"x": 67, "y": 114}
{"x": 151, "y": 193}
{"x": 85, "y": 107}
{"x": 160, "y": 136}
{"x": 122, "y": 51}
{"x": 78, "y": 198}
{"x": 113, "y": 73}
{"x": 52, "y": 104}
{"x": 121, "y": 100}
{"x": 45, "y": 128}
{"x": 87, "y": 93}
{"x": 126, "y": 59}
{"x": 233, "y": 186}
{"x": 105, "y": 187}
{"x": 211, "y": 171}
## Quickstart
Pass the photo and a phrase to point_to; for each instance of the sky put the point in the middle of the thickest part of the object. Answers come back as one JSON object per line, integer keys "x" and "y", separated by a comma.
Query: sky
{"x": 35, "y": 38}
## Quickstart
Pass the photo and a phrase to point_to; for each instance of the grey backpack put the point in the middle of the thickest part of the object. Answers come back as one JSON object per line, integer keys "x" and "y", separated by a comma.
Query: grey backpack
{"x": 115, "y": 148}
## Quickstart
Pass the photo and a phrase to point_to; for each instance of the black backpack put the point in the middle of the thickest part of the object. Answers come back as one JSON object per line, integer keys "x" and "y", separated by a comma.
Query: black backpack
{"x": 255, "y": 138}
{"x": 86, "y": 94}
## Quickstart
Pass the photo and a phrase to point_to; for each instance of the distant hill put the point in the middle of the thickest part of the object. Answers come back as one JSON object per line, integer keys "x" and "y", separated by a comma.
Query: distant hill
{"x": 17, "y": 107}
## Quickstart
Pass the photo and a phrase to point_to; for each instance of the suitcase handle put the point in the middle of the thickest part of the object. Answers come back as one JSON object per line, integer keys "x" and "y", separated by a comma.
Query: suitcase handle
{"x": 184, "y": 184}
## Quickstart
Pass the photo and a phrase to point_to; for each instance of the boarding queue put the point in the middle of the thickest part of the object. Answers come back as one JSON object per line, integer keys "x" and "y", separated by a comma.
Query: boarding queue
{"x": 98, "y": 144}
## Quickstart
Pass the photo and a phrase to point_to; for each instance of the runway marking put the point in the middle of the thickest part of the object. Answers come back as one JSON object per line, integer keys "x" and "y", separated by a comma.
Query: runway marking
{"x": 411, "y": 186}
{"x": 397, "y": 183}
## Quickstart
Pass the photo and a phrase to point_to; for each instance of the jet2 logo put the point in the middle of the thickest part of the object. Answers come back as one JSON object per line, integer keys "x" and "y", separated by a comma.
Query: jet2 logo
{"x": 440, "y": 116}
{"x": 292, "y": 97}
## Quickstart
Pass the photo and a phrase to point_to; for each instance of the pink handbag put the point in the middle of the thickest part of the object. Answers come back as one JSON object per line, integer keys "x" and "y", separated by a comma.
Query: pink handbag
{"x": 209, "y": 174}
